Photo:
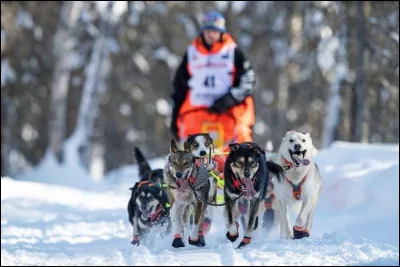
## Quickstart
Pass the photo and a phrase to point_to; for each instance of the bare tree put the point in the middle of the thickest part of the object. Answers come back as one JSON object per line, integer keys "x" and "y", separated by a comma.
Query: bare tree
{"x": 360, "y": 129}
{"x": 94, "y": 87}
{"x": 64, "y": 43}
{"x": 337, "y": 77}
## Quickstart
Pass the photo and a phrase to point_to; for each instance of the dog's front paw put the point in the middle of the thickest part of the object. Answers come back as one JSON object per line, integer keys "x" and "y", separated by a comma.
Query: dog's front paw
{"x": 300, "y": 232}
{"x": 235, "y": 236}
{"x": 199, "y": 242}
{"x": 245, "y": 241}
{"x": 135, "y": 240}
{"x": 232, "y": 238}
{"x": 178, "y": 242}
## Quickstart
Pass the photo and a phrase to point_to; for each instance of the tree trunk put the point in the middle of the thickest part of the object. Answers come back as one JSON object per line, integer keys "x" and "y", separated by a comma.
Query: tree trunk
{"x": 7, "y": 119}
{"x": 332, "y": 118}
{"x": 360, "y": 130}
{"x": 64, "y": 42}
{"x": 93, "y": 89}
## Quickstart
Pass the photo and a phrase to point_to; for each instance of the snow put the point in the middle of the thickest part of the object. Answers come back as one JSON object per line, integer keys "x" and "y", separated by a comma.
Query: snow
{"x": 163, "y": 54}
{"x": 118, "y": 8}
{"x": 125, "y": 109}
{"x": 7, "y": 73}
{"x": 163, "y": 107}
{"x": 55, "y": 215}
{"x": 189, "y": 25}
{"x": 141, "y": 63}
{"x": 238, "y": 6}
{"x": 394, "y": 36}
{"x": 326, "y": 53}
{"x": 24, "y": 19}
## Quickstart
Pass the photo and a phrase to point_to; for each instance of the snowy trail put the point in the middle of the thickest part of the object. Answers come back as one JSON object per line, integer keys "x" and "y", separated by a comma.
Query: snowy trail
{"x": 49, "y": 224}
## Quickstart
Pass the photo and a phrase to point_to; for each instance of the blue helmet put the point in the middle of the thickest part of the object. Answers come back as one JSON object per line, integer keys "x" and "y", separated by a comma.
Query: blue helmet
{"x": 213, "y": 20}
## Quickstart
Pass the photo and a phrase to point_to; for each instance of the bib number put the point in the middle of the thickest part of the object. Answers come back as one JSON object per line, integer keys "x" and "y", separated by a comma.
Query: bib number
{"x": 209, "y": 81}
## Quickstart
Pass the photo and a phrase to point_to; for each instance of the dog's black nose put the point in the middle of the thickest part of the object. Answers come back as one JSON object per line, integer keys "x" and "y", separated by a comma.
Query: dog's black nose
{"x": 143, "y": 206}
{"x": 247, "y": 174}
{"x": 203, "y": 153}
{"x": 297, "y": 147}
{"x": 178, "y": 175}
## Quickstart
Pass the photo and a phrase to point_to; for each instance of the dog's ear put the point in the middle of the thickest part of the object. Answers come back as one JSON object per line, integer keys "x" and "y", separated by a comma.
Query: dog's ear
{"x": 208, "y": 138}
{"x": 259, "y": 150}
{"x": 186, "y": 147}
{"x": 234, "y": 147}
{"x": 190, "y": 138}
{"x": 289, "y": 132}
{"x": 174, "y": 147}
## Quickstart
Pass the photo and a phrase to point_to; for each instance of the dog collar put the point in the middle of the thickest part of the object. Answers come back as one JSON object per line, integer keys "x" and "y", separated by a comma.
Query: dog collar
{"x": 288, "y": 164}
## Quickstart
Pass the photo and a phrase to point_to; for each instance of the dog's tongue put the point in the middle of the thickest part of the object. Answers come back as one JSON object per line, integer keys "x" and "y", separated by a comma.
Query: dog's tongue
{"x": 182, "y": 184}
{"x": 249, "y": 187}
{"x": 296, "y": 159}
{"x": 153, "y": 216}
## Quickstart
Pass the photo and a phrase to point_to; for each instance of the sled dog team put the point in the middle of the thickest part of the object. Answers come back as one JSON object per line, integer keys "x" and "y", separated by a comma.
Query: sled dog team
{"x": 178, "y": 197}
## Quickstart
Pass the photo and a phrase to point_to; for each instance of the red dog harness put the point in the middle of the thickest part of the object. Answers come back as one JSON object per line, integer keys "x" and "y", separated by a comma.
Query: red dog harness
{"x": 296, "y": 188}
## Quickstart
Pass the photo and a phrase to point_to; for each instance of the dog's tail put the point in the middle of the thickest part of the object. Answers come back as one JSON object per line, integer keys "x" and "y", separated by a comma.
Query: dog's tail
{"x": 275, "y": 169}
{"x": 144, "y": 166}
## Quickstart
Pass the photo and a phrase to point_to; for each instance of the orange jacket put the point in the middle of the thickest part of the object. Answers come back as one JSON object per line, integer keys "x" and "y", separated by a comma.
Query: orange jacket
{"x": 233, "y": 125}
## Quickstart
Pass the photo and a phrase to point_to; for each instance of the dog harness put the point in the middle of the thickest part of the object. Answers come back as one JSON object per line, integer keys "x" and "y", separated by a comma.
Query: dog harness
{"x": 297, "y": 188}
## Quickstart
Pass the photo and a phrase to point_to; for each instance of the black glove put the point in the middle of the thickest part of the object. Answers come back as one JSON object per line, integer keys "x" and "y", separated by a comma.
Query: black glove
{"x": 223, "y": 103}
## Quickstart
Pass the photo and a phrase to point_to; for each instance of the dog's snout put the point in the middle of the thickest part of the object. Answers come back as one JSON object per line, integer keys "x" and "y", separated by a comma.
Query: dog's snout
{"x": 143, "y": 206}
{"x": 178, "y": 175}
{"x": 297, "y": 147}
{"x": 203, "y": 153}
{"x": 247, "y": 174}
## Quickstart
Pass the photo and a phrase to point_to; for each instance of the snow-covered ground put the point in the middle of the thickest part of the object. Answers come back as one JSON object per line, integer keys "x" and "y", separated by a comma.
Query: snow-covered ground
{"x": 49, "y": 218}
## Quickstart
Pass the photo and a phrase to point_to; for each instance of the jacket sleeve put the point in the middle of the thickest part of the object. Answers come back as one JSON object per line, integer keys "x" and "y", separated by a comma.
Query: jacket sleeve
{"x": 245, "y": 80}
{"x": 243, "y": 85}
{"x": 179, "y": 92}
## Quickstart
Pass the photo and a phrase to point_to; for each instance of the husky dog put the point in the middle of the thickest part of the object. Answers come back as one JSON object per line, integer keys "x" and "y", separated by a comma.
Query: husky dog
{"x": 302, "y": 185}
{"x": 188, "y": 187}
{"x": 148, "y": 206}
{"x": 201, "y": 146}
{"x": 247, "y": 176}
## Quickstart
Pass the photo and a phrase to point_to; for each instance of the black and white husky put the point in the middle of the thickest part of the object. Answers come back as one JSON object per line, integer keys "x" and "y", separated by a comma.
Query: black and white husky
{"x": 148, "y": 205}
{"x": 247, "y": 174}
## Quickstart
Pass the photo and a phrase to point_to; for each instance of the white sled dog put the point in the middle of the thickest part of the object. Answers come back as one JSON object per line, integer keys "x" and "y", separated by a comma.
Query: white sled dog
{"x": 301, "y": 185}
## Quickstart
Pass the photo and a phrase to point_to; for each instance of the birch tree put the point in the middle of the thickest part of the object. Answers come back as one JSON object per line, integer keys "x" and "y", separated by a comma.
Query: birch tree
{"x": 64, "y": 42}
{"x": 332, "y": 117}
{"x": 96, "y": 75}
